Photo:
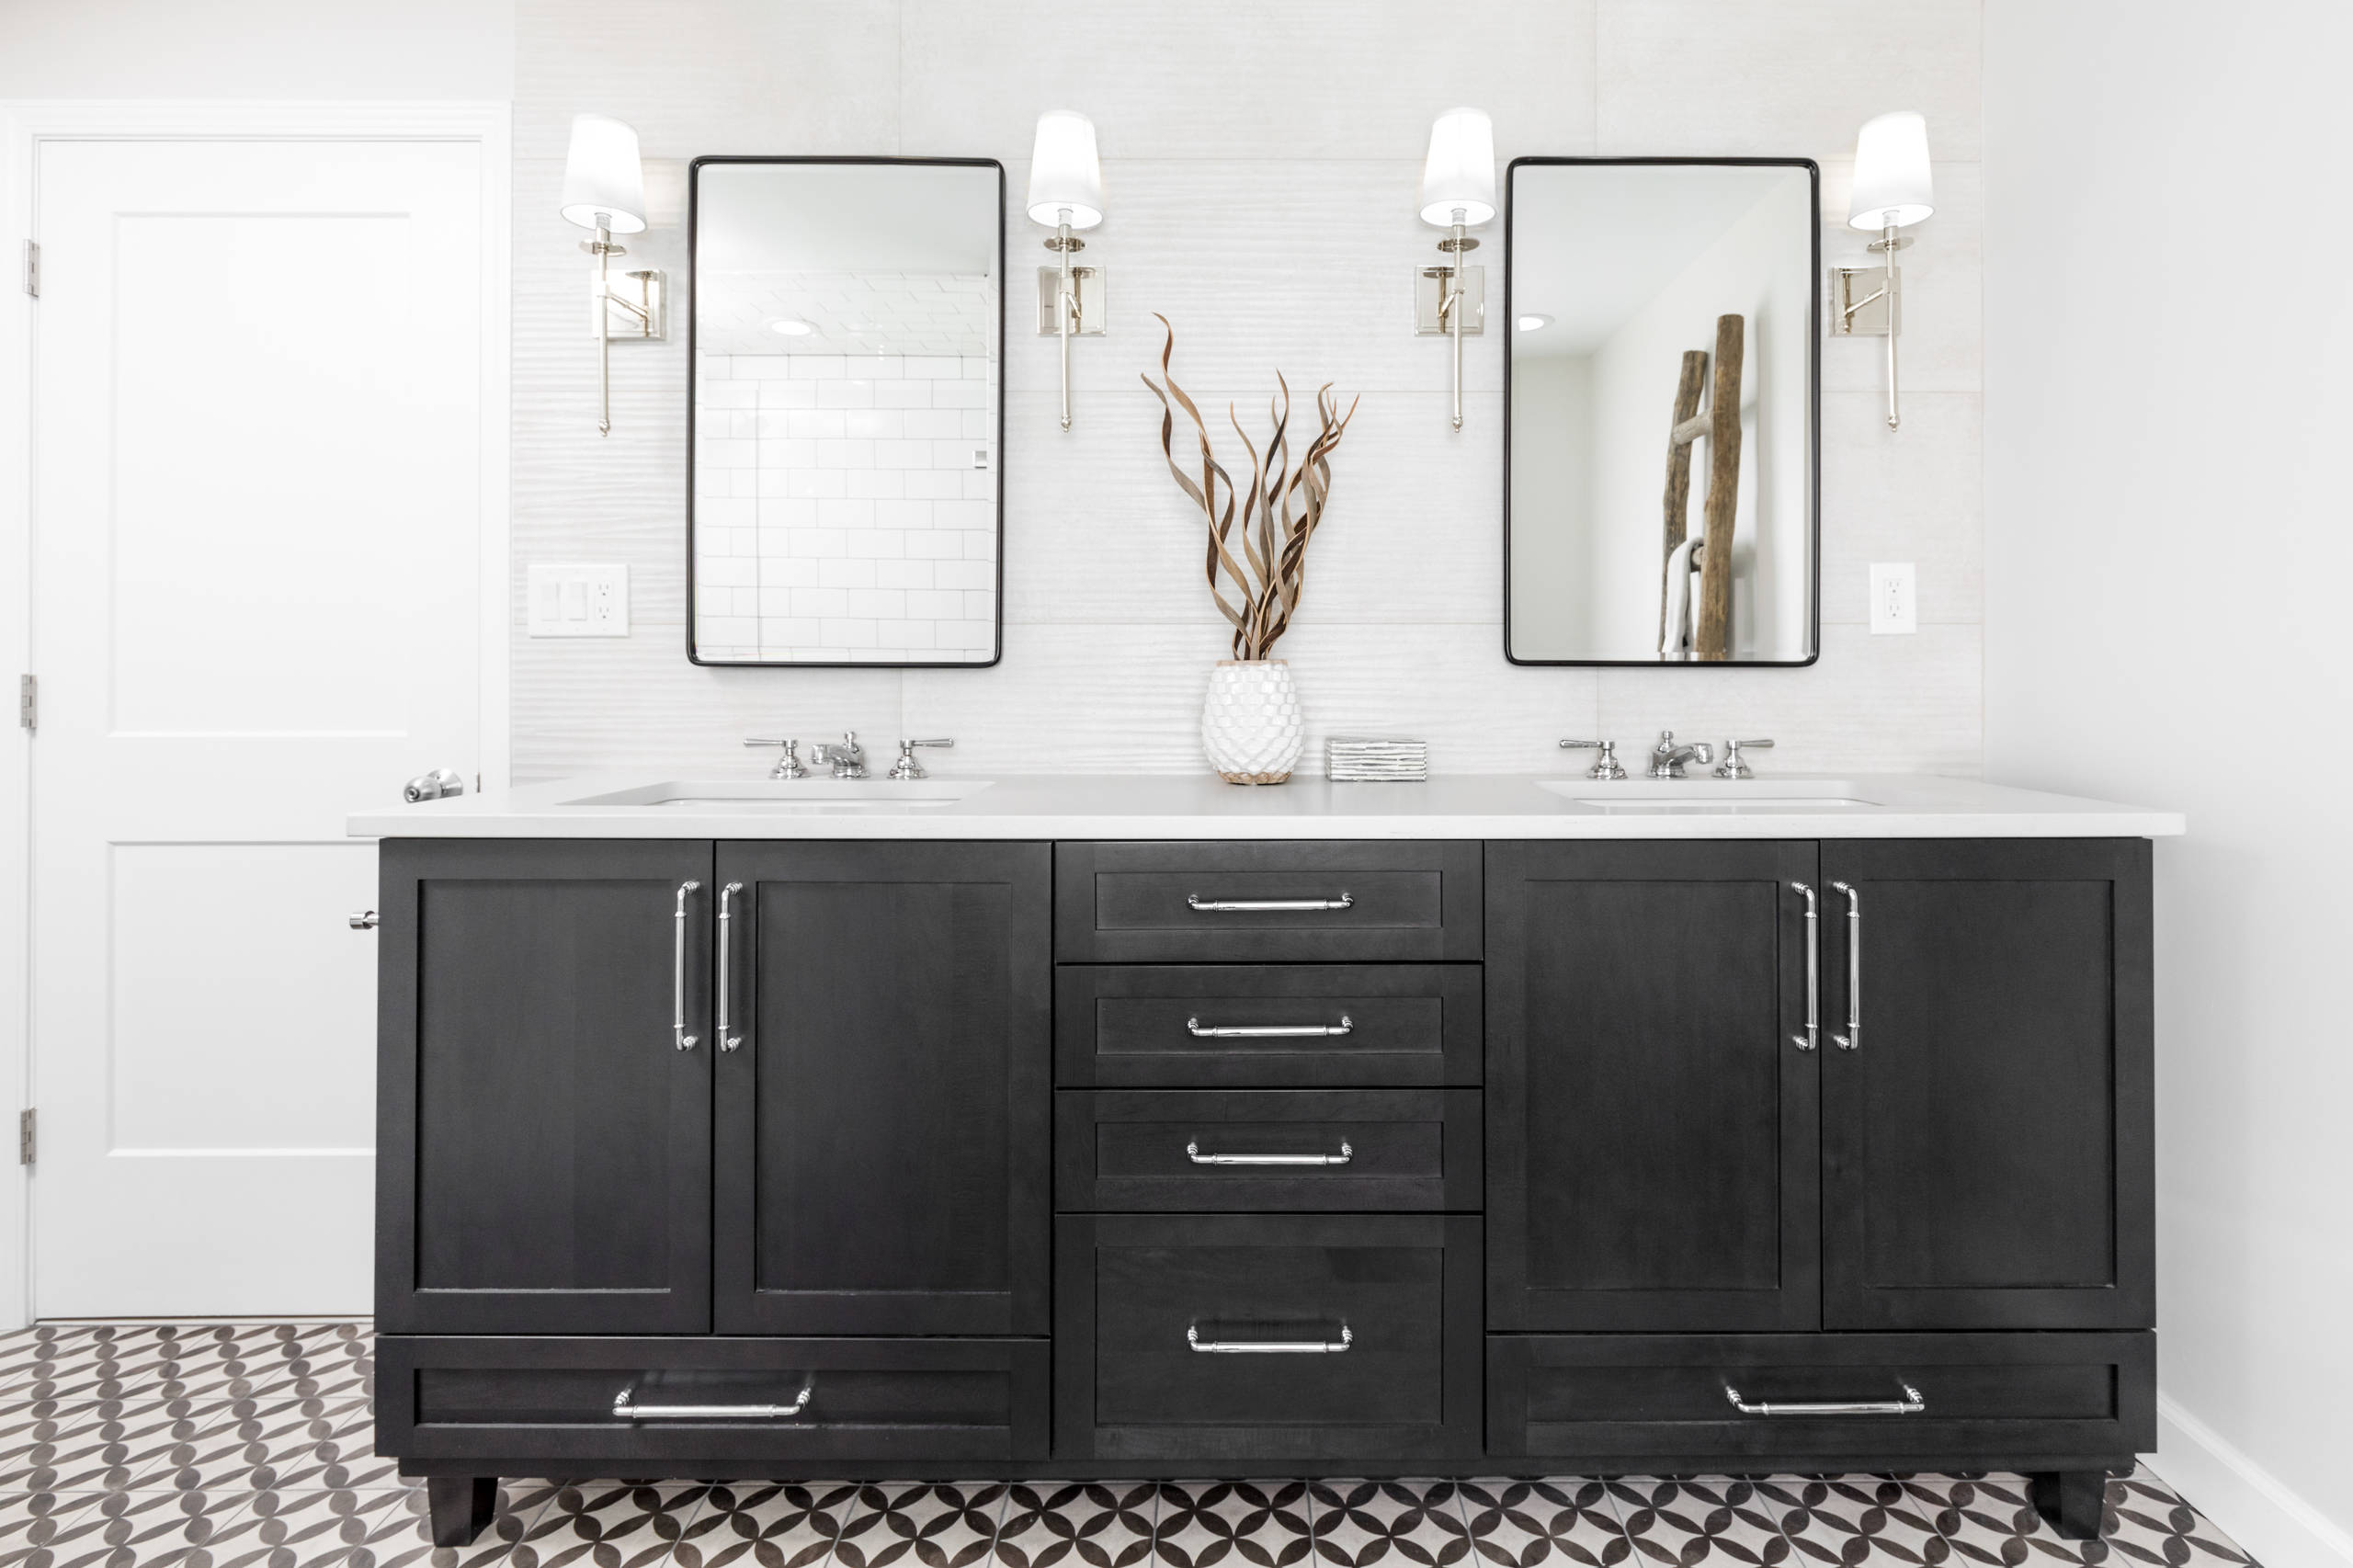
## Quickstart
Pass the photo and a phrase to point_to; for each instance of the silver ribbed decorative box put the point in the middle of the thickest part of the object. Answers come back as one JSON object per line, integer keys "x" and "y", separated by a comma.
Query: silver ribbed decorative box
{"x": 1364, "y": 759}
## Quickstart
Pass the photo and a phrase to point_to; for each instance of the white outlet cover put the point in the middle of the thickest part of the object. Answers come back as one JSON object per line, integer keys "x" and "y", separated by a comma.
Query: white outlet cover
{"x": 1895, "y": 599}
{"x": 569, "y": 600}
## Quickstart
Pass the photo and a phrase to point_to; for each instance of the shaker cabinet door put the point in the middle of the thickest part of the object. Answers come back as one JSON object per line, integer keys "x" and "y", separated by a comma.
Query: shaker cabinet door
{"x": 1986, "y": 1140}
{"x": 1652, "y": 1114}
{"x": 545, "y": 1163}
{"x": 884, "y": 1099}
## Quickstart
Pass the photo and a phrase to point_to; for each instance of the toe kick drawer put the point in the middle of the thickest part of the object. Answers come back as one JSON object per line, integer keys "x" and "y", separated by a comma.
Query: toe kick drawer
{"x": 1214, "y": 1338}
{"x": 714, "y": 1399}
{"x": 1281, "y": 1151}
{"x": 1823, "y": 1401}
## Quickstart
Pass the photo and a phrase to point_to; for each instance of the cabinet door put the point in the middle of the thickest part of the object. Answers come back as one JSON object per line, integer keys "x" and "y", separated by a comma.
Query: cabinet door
{"x": 884, "y": 1125}
{"x": 1652, "y": 1116}
{"x": 1987, "y": 1140}
{"x": 543, "y": 1145}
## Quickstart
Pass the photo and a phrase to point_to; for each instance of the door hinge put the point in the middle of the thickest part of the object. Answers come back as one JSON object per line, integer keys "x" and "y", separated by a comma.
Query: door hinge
{"x": 32, "y": 267}
{"x": 28, "y": 702}
{"x": 26, "y": 1138}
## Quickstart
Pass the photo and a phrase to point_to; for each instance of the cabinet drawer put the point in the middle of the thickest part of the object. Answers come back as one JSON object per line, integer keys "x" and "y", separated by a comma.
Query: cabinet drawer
{"x": 1659, "y": 1401}
{"x": 1392, "y": 1301}
{"x": 870, "y": 1400}
{"x": 1175, "y": 1027}
{"x": 1280, "y": 900}
{"x": 1301, "y": 1151}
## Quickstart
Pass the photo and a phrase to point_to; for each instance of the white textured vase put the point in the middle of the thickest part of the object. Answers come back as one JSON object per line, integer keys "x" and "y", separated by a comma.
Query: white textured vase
{"x": 1250, "y": 724}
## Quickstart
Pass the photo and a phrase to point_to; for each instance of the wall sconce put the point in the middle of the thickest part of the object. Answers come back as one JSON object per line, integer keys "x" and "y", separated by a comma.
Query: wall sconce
{"x": 604, "y": 189}
{"x": 1458, "y": 193}
{"x": 1065, "y": 194}
{"x": 1893, "y": 190}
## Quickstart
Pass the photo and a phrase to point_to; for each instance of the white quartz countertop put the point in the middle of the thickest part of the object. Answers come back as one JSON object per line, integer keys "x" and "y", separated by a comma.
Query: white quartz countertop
{"x": 691, "y": 805}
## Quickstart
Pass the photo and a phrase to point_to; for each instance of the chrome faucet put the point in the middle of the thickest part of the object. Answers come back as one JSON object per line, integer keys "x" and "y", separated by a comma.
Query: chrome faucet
{"x": 843, "y": 755}
{"x": 787, "y": 765}
{"x": 1605, "y": 765}
{"x": 907, "y": 768}
{"x": 1668, "y": 758}
{"x": 1734, "y": 766}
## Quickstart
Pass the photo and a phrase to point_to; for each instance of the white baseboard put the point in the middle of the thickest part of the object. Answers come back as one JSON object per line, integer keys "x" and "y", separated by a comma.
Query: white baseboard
{"x": 2268, "y": 1522}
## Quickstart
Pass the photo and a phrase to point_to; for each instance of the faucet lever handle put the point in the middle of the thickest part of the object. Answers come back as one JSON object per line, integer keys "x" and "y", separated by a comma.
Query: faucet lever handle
{"x": 1734, "y": 766}
{"x": 1606, "y": 765}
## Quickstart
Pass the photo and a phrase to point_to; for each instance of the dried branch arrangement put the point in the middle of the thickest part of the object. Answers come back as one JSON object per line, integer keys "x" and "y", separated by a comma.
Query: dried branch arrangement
{"x": 1280, "y": 510}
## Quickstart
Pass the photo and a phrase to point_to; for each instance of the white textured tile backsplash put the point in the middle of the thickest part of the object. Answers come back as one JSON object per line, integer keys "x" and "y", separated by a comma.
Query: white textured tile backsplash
{"x": 1261, "y": 165}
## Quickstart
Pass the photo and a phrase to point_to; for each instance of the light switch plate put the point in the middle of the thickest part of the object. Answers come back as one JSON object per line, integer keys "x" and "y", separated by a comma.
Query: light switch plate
{"x": 577, "y": 601}
{"x": 1895, "y": 599}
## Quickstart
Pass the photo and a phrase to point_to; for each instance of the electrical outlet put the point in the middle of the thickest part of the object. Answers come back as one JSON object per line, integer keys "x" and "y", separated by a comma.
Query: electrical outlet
{"x": 1895, "y": 599}
{"x": 577, "y": 601}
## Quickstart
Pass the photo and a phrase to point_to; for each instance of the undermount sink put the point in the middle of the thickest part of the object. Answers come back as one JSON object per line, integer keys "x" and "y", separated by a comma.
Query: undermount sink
{"x": 1710, "y": 797}
{"x": 818, "y": 796}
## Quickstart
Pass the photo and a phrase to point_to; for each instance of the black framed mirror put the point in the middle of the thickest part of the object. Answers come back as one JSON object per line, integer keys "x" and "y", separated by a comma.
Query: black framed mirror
{"x": 845, "y": 420}
{"x": 1662, "y": 379}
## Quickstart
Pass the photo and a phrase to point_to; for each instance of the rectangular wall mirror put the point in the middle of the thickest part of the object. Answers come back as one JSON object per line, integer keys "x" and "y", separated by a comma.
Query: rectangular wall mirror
{"x": 845, "y": 421}
{"x": 1662, "y": 397}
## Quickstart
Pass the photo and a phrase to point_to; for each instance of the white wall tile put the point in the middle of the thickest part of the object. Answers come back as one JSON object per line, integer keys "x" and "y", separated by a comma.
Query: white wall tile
{"x": 1261, "y": 164}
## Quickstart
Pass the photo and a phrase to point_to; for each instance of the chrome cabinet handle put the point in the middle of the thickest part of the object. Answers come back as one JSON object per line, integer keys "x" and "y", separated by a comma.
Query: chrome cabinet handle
{"x": 679, "y": 1034}
{"x": 1269, "y": 1031}
{"x": 1853, "y": 1038}
{"x": 365, "y": 920}
{"x": 625, "y": 1408}
{"x": 1813, "y": 1036}
{"x": 719, "y": 1027}
{"x": 1261, "y": 905}
{"x": 1193, "y": 1153}
{"x": 1910, "y": 1404}
{"x": 1269, "y": 1346}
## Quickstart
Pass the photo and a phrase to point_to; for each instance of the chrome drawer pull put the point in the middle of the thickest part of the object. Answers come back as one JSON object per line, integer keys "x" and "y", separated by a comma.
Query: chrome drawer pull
{"x": 1269, "y": 1031}
{"x": 1853, "y": 1038}
{"x": 624, "y": 1409}
{"x": 1269, "y": 1346}
{"x": 1813, "y": 1036}
{"x": 1193, "y": 1153}
{"x": 1910, "y": 1404}
{"x": 678, "y": 1034}
{"x": 1260, "y": 906}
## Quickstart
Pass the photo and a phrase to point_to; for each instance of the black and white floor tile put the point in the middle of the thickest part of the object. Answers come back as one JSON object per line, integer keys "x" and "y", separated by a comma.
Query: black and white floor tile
{"x": 250, "y": 1446}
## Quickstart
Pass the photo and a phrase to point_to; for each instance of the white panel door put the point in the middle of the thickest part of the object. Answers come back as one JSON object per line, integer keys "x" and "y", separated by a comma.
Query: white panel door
{"x": 256, "y": 523}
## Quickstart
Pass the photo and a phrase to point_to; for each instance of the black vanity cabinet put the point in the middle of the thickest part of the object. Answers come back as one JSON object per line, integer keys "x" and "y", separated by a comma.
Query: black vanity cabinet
{"x": 1760, "y": 1184}
{"x": 863, "y": 1158}
{"x": 884, "y": 1148}
{"x": 544, "y": 1160}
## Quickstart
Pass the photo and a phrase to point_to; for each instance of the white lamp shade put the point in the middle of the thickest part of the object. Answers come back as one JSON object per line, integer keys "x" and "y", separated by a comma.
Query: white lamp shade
{"x": 1891, "y": 183}
{"x": 1460, "y": 173}
{"x": 1064, "y": 174}
{"x": 602, "y": 173}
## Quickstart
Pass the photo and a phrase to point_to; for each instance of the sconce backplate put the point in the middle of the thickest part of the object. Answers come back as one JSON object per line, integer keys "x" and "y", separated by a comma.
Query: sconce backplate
{"x": 1848, "y": 284}
{"x": 645, "y": 288}
{"x": 1429, "y": 288}
{"x": 1093, "y": 309}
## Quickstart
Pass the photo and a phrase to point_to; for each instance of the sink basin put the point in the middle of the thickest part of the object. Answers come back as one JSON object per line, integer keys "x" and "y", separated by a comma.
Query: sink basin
{"x": 794, "y": 796}
{"x": 1710, "y": 797}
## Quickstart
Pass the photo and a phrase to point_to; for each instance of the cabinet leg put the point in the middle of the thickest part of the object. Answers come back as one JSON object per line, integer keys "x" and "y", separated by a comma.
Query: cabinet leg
{"x": 461, "y": 1506}
{"x": 2071, "y": 1501}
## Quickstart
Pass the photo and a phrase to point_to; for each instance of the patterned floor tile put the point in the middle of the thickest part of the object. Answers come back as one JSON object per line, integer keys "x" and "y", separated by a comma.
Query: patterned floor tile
{"x": 1359, "y": 1523}
{"x": 1687, "y": 1520}
{"x": 615, "y": 1524}
{"x": 1203, "y": 1524}
{"x": 936, "y": 1526}
{"x": 763, "y": 1525}
{"x": 1861, "y": 1520}
{"x": 1099, "y": 1524}
{"x": 1519, "y": 1524}
{"x": 251, "y": 1445}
